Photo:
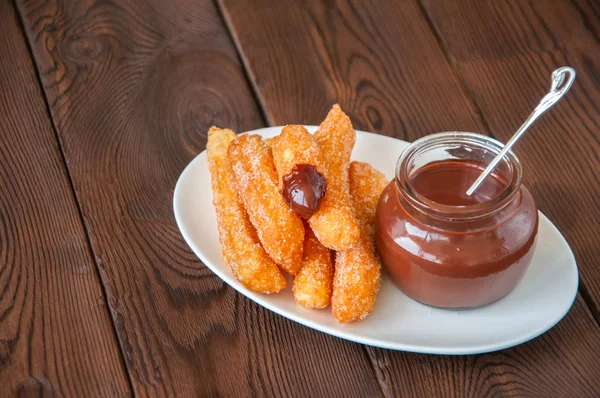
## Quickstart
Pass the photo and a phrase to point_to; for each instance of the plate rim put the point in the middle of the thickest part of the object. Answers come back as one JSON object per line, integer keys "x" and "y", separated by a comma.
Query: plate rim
{"x": 260, "y": 299}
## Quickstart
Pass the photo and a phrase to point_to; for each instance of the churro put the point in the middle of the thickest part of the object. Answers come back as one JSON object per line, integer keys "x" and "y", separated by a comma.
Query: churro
{"x": 357, "y": 270}
{"x": 241, "y": 248}
{"x": 366, "y": 186}
{"x": 313, "y": 284}
{"x": 335, "y": 224}
{"x": 279, "y": 229}
{"x": 299, "y": 163}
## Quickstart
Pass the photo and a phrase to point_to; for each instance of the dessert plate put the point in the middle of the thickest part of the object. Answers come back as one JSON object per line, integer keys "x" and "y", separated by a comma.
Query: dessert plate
{"x": 397, "y": 322}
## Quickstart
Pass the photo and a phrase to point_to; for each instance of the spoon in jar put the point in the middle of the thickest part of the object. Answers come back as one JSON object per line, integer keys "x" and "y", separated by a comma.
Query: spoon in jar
{"x": 562, "y": 75}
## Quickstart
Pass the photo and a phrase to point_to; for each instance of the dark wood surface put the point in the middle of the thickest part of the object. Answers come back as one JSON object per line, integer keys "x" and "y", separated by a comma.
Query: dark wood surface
{"x": 153, "y": 86}
{"x": 56, "y": 335}
{"x": 354, "y": 50}
{"x": 90, "y": 153}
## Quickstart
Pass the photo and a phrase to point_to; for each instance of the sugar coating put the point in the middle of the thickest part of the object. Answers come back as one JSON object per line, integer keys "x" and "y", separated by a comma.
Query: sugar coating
{"x": 294, "y": 146}
{"x": 357, "y": 270}
{"x": 366, "y": 186}
{"x": 355, "y": 283}
{"x": 280, "y": 230}
{"x": 241, "y": 248}
{"x": 335, "y": 224}
{"x": 313, "y": 284}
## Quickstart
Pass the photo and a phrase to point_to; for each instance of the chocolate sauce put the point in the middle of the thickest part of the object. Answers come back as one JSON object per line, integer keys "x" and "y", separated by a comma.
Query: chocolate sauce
{"x": 446, "y": 182}
{"x": 303, "y": 190}
{"x": 455, "y": 263}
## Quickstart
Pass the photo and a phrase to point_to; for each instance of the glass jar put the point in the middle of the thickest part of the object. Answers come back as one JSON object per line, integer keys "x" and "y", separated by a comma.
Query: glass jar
{"x": 442, "y": 247}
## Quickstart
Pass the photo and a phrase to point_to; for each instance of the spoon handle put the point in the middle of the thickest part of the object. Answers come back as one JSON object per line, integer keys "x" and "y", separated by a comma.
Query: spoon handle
{"x": 562, "y": 75}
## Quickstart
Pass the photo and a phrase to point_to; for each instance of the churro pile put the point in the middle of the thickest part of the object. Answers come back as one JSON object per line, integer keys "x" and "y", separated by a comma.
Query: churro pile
{"x": 297, "y": 204}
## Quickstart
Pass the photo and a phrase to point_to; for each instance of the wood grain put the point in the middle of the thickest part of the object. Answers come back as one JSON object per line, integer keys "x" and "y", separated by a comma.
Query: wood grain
{"x": 56, "y": 336}
{"x": 133, "y": 88}
{"x": 307, "y": 55}
{"x": 506, "y": 61}
{"x": 562, "y": 363}
{"x": 386, "y": 67}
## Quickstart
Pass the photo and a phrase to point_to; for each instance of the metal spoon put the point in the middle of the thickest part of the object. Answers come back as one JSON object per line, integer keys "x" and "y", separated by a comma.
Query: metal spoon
{"x": 562, "y": 75}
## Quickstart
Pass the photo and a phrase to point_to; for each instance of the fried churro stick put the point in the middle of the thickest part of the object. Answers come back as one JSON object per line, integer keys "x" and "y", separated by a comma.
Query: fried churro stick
{"x": 366, "y": 186}
{"x": 241, "y": 248}
{"x": 280, "y": 230}
{"x": 335, "y": 224}
{"x": 301, "y": 171}
{"x": 312, "y": 285}
{"x": 357, "y": 271}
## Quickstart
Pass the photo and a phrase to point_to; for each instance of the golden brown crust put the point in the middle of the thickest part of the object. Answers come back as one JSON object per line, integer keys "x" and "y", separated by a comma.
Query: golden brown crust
{"x": 366, "y": 186}
{"x": 357, "y": 271}
{"x": 335, "y": 224}
{"x": 241, "y": 248}
{"x": 279, "y": 229}
{"x": 355, "y": 283}
{"x": 313, "y": 284}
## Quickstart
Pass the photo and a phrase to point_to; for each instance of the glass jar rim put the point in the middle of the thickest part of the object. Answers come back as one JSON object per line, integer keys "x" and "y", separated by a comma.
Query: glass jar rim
{"x": 443, "y": 211}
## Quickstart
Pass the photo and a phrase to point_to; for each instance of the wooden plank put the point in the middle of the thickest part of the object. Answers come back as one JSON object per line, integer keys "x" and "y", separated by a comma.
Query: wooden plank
{"x": 385, "y": 66}
{"x": 562, "y": 363}
{"x": 133, "y": 88}
{"x": 506, "y": 60}
{"x": 56, "y": 335}
{"x": 307, "y": 55}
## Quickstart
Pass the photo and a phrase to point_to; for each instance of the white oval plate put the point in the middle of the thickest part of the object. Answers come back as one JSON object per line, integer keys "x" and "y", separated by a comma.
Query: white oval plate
{"x": 397, "y": 322}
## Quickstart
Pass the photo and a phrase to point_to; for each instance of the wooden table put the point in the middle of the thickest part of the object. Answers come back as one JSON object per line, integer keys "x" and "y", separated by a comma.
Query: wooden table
{"x": 103, "y": 103}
